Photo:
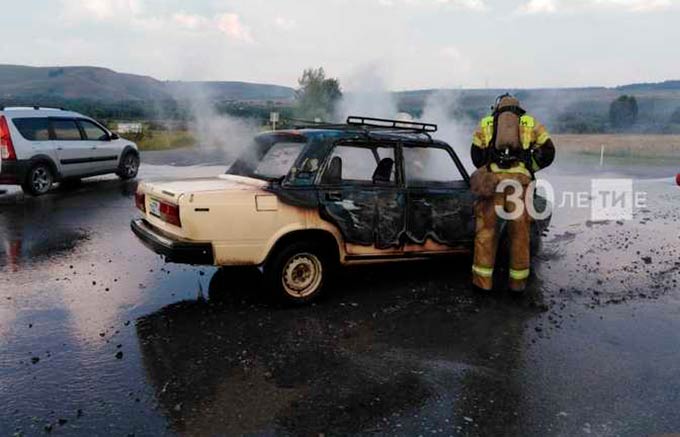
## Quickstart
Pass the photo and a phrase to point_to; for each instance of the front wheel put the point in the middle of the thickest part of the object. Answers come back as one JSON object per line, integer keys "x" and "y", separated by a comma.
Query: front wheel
{"x": 129, "y": 166}
{"x": 297, "y": 273}
{"x": 39, "y": 180}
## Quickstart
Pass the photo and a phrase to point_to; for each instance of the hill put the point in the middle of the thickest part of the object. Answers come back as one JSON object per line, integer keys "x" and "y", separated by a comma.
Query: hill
{"x": 89, "y": 83}
{"x": 232, "y": 90}
{"x": 23, "y": 83}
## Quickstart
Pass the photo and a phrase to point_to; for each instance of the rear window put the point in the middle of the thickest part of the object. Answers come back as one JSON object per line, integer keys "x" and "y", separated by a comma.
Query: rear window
{"x": 33, "y": 129}
{"x": 278, "y": 160}
{"x": 66, "y": 130}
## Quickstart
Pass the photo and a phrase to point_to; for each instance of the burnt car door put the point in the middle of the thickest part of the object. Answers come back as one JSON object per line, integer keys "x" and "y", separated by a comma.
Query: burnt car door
{"x": 360, "y": 192}
{"x": 440, "y": 203}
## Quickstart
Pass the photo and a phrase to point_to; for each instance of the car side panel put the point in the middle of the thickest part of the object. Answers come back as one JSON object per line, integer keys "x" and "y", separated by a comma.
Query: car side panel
{"x": 443, "y": 215}
{"x": 27, "y": 150}
{"x": 243, "y": 226}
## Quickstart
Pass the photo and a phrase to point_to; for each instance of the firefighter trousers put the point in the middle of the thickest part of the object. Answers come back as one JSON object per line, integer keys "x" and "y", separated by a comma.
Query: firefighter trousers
{"x": 486, "y": 238}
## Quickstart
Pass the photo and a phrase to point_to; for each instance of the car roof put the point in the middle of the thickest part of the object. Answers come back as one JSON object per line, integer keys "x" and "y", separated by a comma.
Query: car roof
{"x": 29, "y": 112}
{"x": 350, "y": 132}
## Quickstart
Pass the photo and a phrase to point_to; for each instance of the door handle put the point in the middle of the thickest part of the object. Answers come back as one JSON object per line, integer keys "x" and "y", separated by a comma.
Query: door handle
{"x": 94, "y": 148}
{"x": 334, "y": 196}
{"x": 60, "y": 148}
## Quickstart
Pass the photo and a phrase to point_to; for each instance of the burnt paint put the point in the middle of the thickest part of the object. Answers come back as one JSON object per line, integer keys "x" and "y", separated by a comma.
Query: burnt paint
{"x": 381, "y": 216}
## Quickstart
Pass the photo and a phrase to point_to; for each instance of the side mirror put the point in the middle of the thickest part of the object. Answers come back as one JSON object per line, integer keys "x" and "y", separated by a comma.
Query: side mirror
{"x": 114, "y": 136}
{"x": 333, "y": 174}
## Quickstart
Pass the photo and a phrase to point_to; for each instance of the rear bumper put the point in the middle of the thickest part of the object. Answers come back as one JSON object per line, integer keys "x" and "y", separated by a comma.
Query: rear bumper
{"x": 179, "y": 252}
{"x": 13, "y": 172}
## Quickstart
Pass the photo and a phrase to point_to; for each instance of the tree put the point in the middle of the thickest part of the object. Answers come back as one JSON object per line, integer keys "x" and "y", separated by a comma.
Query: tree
{"x": 623, "y": 112}
{"x": 317, "y": 95}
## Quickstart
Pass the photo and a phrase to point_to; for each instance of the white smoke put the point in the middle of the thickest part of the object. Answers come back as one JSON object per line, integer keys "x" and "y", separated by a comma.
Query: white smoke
{"x": 367, "y": 95}
{"x": 213, "y": 130}
{"x": 443, "y": 109}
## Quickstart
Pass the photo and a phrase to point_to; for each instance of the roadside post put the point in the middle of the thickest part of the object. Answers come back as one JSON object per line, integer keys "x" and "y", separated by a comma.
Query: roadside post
{"x": 274, "y": 118}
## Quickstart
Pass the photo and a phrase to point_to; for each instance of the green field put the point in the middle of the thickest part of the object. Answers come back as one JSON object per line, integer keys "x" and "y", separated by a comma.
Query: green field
{"x": 165, "y": 140}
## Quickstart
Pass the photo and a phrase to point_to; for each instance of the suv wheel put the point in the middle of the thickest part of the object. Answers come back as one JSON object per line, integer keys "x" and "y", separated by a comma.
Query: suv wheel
{"x": 298, "y": 272}
{"x": 129, "y": 166}
{"x": 39, "y": 180}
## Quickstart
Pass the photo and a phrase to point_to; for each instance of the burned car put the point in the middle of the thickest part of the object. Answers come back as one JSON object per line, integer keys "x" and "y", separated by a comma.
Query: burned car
{"x": 300, "y": 202}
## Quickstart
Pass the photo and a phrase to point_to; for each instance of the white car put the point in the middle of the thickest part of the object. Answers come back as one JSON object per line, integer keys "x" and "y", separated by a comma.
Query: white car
{"x": 40, "y": 146}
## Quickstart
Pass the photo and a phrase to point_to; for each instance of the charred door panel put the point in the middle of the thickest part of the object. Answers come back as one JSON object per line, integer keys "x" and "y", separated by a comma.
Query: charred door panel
{"x": 353, "y": 210}
{"x": 444, "y": 215}
{"x": 439, "y": 203}
{"x": 360, "y": 193}
{"x": 391, "y": 206}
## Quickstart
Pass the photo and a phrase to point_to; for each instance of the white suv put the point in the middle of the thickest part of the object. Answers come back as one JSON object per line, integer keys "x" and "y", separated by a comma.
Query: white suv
{"x": 40, "y": 146}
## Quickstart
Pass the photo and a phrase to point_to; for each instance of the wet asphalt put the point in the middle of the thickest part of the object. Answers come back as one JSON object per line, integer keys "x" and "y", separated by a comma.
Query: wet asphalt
{"x": 98, "y": 336}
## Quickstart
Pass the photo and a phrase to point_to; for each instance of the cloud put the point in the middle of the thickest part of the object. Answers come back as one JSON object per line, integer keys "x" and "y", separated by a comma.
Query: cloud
{"x": 101, "y": 10}
{"x": 230, "y": 24}
{"x": 285, "y": 23}
{"x": 538, "y": 6}
{"x": 555, "y": 6}
{"x": 475, "y": 5}
{"x": 189, "y": 21}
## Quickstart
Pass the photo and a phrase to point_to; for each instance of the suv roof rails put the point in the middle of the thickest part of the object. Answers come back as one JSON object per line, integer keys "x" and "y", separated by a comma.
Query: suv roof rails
{"x": 4, "y": 108}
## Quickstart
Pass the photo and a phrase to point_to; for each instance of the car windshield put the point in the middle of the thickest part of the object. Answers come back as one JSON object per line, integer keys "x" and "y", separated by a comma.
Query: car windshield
{"x": 268, "y": 161}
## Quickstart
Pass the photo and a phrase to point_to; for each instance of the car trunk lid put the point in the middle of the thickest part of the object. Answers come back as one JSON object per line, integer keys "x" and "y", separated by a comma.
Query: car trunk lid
{"x": 173, "y": 190}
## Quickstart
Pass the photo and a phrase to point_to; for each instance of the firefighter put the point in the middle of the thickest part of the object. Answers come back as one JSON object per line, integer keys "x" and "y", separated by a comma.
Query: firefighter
{"x": 509, "y": 145}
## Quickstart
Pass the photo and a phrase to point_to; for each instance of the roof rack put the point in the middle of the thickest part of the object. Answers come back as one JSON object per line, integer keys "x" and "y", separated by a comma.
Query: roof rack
{"x": 383, "y": 123}
{"x": 368, "y": 126}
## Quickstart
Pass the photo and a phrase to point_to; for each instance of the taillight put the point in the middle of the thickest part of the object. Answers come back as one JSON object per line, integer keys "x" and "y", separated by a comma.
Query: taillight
{"x": 140, "y": 201}
{"x": 170, "y": 214}
{"x": 6, "y": 145}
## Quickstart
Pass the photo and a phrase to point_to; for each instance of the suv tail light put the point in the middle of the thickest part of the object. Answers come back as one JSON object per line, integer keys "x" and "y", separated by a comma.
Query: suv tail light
{"x": 170, "y": 214}
{"x": 140, "y": 201}
{"x": 6, "y": 146}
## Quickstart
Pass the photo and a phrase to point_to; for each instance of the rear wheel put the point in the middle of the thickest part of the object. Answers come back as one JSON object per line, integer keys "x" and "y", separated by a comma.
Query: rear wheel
{"x": 39, "y": 180}
{"x": 298, "y": 273}
{"x": 129, "y": 166}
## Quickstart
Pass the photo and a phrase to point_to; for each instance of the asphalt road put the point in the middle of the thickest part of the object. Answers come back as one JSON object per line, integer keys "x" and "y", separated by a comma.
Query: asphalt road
{"x": 98, "y": 336}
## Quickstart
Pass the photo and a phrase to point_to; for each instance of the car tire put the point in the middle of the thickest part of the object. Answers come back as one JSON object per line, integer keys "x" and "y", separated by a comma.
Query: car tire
{"x": 39, "y": 179}
{"x": 129, "y": 166}
{"x": 297, "y": 273}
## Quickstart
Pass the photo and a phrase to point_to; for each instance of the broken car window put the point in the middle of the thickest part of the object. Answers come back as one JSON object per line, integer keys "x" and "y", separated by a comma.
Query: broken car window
{"x": 358, "y": 163}
{"x": 278, "y": 160}
{"x": 429, "y": 165}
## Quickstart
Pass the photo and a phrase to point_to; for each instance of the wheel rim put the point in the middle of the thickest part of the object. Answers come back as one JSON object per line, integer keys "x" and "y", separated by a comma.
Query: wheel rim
{"x": 41, "y": 180}
{"x": 302, "y": 275}
{"x": 130, "y": 166}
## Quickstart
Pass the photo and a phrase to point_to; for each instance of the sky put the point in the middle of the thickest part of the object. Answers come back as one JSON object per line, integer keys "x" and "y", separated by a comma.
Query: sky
{"x": 399, "y": 44}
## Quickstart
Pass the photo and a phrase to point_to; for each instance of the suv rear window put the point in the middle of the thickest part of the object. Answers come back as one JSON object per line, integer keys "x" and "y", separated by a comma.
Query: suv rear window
{"x": 66, "y": 130}
{"x": 33, "y": 129}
